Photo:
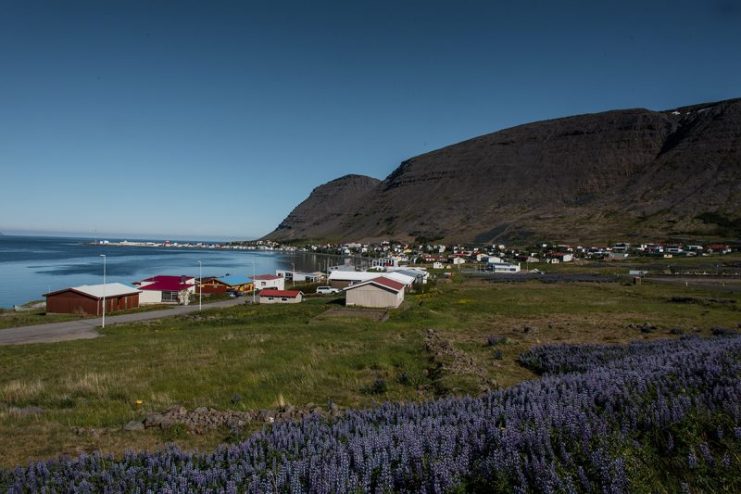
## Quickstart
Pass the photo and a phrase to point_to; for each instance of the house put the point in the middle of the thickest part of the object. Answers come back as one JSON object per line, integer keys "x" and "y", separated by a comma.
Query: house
{"x": 88, "y": 299}
{"x": 164, "y": 289}
{"x": 561, "y": 257}
{"x": 299, "y": 276}
{"x": 437, "y": 265}
{"x": 380, "y": 292}
{"x": 237, "y": 283}
{"x": 458, "y": 260}
{"x": 263, "y": 281}
{"x": 212, "y": 285}
{"x": 503, "y": 267}
{"x": 343, "y": 279}
{"x": 272, "y": 296}
{"x": 420, "y": 275}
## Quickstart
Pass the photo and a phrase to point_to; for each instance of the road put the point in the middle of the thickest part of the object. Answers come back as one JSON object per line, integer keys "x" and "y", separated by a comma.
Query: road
{"x": 87, "y": 328}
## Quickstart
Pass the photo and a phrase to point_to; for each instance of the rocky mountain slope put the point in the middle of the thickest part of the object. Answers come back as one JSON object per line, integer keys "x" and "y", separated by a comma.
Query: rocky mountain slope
{"x": 327, "y": 210}
{"x": 625, "y": 174}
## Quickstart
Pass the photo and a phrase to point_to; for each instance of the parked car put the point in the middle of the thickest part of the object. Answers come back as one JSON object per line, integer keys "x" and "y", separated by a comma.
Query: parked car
{"x": 327, "y": 290}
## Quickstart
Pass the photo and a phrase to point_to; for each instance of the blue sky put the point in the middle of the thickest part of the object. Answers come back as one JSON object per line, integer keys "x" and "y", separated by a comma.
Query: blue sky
{"x": 214, "y": 119}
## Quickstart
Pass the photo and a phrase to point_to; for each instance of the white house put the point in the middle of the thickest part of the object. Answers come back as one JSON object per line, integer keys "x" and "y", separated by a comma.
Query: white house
{"x": 437, "y": 265}
{"x": 300, "y": 276}
{"x": 459, "y": 260}
{"x": 166, "y": 289}
{"x": 380, "y": 292}
{"x": 266, "y": 281}
{"x": 503, "y": 267}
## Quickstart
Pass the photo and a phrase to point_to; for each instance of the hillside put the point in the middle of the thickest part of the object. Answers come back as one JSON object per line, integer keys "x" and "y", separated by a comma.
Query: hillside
{"x": 619, "y": 174}
{"x": 327, "y": 210}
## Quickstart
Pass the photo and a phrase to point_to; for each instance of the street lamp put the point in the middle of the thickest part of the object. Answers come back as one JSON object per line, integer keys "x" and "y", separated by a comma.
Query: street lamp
{"x": 200, "y": 286}
{"x": 254, "y": 285}
{"x": 104, "y": 263}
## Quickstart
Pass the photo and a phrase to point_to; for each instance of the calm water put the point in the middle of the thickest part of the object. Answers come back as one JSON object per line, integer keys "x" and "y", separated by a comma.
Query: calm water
{"x": 31, "y": 266}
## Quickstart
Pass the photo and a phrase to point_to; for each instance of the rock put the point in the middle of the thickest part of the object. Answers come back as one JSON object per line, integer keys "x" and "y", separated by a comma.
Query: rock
{"x": 134, "y": 425}
{"x": 153, "y": 420}
{"x": 25, "y": 411}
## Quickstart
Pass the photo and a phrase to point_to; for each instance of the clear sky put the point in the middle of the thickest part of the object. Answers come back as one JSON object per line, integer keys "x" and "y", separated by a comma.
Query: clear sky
{"x": 213, "y": 119}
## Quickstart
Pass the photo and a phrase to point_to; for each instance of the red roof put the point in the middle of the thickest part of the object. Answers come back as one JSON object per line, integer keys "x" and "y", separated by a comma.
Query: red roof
{"x": 280, "y": 293}
{"x": 381, "y": 281}
{"x": 266, "y": 277}
{"x": 167, "y": 285}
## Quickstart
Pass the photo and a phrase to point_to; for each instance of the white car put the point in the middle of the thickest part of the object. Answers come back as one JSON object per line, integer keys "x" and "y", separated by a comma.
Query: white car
{"x": 327, "y": 290}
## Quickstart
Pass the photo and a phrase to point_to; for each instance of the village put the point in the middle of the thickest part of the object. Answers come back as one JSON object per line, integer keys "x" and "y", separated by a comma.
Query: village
{"x": 371, "y": 275}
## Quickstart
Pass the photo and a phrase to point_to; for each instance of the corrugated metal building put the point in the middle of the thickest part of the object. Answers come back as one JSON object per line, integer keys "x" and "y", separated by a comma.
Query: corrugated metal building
{"x": 88, "y": 299}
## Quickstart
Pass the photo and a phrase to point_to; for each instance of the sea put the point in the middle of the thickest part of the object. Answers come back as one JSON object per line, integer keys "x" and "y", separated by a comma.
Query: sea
{"x": 32, "y": 266}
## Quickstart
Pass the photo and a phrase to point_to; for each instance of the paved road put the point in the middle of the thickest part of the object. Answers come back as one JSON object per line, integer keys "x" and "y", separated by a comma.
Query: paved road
{"x": 87, "y": 328}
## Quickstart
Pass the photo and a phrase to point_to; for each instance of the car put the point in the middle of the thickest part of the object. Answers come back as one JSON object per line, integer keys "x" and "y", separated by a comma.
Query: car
{"x": 327, "y": 290}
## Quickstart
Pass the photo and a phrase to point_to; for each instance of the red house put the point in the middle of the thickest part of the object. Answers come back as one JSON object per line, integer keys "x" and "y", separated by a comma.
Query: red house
{"x": 88, "y": 299}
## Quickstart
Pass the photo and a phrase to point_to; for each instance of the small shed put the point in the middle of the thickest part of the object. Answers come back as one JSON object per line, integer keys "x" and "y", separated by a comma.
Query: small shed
{"x": 271, "y": 296}
{"x": 379, "y": 292}
{"x": 88, "y": 299}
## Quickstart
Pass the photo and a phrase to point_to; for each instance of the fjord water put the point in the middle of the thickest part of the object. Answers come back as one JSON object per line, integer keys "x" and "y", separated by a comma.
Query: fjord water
{"x": 31, "y": 266}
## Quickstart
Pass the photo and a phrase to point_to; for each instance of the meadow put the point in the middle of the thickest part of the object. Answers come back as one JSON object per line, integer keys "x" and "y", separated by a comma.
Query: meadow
{"x": 463, "y": 337}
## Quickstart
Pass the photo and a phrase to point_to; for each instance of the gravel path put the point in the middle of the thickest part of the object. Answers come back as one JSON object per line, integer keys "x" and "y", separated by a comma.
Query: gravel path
{"x": 87, "y": 328}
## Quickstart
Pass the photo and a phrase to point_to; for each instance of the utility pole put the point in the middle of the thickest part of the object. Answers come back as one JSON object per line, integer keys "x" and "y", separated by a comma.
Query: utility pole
{"x": 200, "y": 286}
{"x": 104, "y": 283}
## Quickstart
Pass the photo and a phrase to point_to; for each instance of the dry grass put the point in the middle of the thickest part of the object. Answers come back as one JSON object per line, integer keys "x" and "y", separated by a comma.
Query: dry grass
{"x": 19, "y": 392}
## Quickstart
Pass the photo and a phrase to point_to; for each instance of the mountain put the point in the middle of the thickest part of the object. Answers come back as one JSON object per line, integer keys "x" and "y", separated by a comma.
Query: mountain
{"x": 624, "y": 174}
{"x": 327, "y": 209}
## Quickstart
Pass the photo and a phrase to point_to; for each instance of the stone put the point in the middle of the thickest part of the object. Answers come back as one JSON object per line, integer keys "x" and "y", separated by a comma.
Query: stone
{"x": 153, "y": 420}
{"x": 134, "y": 425}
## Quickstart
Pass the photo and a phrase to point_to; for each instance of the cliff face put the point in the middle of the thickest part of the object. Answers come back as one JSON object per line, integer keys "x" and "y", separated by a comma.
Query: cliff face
{"x": 327, "y": 210}
{"x": 619, "y": 174}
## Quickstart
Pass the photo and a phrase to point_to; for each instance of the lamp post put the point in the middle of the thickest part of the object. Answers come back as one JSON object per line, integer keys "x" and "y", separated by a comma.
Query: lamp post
{"x": 200, "y": 286}
{"x": 104, "y": 283}
{"x": 254, "y": 286}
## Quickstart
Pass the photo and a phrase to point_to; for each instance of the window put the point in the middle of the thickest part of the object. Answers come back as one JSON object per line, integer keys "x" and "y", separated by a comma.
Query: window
{"x": 169, "y": 296}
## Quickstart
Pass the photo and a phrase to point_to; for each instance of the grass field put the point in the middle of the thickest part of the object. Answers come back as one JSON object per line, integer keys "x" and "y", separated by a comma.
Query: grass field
{"x": 273, "y": 354}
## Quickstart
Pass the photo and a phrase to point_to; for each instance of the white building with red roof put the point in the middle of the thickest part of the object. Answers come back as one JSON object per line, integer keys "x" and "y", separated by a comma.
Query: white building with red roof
{"x": 164, "y": 289}
{"x": 263, "y": 281}
{"x": 380, "y": 292}
{"x": 272, "y": 296}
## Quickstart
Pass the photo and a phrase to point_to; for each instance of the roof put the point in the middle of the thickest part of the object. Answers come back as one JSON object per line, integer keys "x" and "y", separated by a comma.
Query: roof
{"x": 267, "y": 277}
{"x": 235, "y": 280}
{"x": 97, "y": 291}
{"x": 362, "y": 276}
{"x": 382, "y": 282}
{"x": 167, "y": 286}
{"x": 404, "y": 279}
{"x": 280, "y": 293}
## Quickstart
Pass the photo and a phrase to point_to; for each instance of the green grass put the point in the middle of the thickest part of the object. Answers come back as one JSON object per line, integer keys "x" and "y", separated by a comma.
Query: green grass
{"x": 11, "y": 319}
{"x": 271, "y": 351}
